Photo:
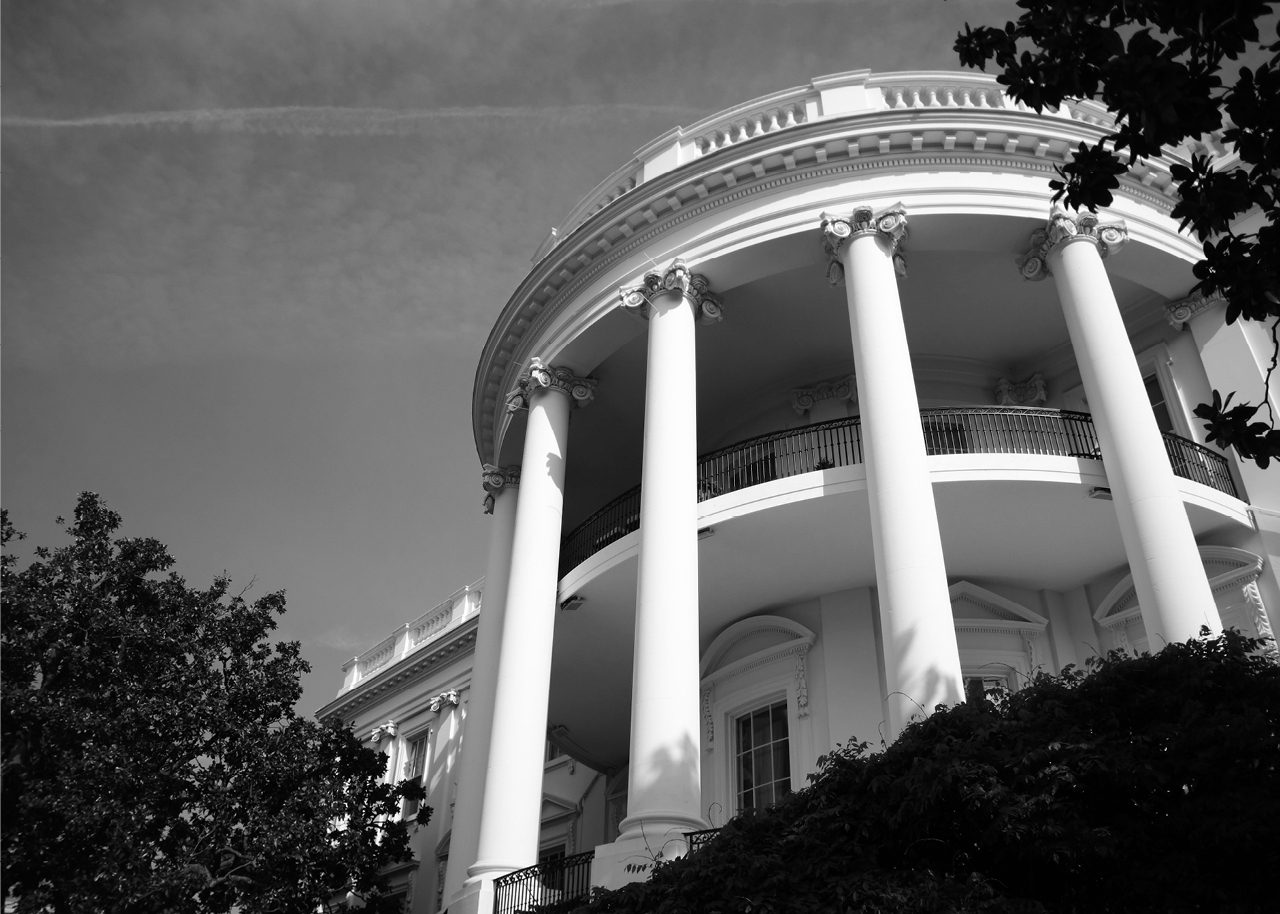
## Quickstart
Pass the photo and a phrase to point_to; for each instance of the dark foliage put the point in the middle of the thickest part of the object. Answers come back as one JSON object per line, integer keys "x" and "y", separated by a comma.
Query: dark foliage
{"x": 1172, "y": 79}
{"x": 1149, "y": 784}
{"x": 152, "y": 759}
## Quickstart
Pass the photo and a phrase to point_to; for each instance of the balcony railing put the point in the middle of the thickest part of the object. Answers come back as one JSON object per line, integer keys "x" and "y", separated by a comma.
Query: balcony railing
{"x": 545, "y": 888}
{"x": 825, "y": 445}
{"x": 700, "y": 839}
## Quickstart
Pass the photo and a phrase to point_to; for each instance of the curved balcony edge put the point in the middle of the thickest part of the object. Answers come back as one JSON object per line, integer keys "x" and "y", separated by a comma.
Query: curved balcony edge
{"x": 838, "y": 443}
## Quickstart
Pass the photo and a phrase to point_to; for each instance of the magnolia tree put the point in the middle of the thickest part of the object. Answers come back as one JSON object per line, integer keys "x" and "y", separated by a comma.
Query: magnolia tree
{"x": 152, "y": 759}
{"x": 1173, "y": 72}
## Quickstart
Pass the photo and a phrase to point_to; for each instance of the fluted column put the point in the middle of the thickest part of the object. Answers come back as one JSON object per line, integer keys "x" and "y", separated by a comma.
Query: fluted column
{"x": 500, "y": 501}
{"x": 664, "y": 795}
{"x": 922, "y": 659}
{"x": 511, "y": 806}
{"x": 1168, "y": 577}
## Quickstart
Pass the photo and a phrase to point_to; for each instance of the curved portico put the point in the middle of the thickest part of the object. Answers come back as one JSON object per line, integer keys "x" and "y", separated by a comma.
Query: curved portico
{"x": 1050, "y": 512}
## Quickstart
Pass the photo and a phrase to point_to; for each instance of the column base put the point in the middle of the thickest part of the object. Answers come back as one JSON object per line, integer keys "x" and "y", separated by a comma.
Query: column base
{"x": 475, "y": 897}
{"x": 642, "y": 843}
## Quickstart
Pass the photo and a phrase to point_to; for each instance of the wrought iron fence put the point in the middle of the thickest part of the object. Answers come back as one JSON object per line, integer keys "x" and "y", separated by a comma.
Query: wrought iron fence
{"x": 697, "y": 840}
{"x": 838, "y": 443}
{"x": 545, "y": 888}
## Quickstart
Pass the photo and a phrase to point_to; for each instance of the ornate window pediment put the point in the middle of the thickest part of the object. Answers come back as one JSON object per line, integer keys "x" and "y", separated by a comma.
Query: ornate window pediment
{"x": 1233, "y": 578}
{"x": 1226, "y": 566}
{"x": 753, "y": 642}
{"x": 978, "y": 609}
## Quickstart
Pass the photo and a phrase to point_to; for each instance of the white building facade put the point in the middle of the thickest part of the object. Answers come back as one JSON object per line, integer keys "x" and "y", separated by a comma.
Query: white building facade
{"x": 811, "y": 417}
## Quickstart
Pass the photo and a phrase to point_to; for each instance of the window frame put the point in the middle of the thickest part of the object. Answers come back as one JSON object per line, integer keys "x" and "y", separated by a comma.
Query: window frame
{"x": 733, "y": 739}
{"x": 409, "y": 808}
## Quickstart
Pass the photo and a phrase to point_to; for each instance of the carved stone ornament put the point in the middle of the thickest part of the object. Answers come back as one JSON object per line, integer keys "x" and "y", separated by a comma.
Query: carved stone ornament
{"x": 496, "y": 479}
{"x": 382, "y": 731}
{"x": 1063, "y": 227}
{"x": 541, "y": 376}
{"x": 802, "y": 683}
{"x": 1030, "y": 391}
{"x": 1261, "y": 621}
{"x": 889, "y": 224}
{"x": 804, "y": 399}
{"x": 1180, "y": 312}
{"x": 445, "y": 699}
{"x": 708, "y": 723}
{"x": 677, "y": 279}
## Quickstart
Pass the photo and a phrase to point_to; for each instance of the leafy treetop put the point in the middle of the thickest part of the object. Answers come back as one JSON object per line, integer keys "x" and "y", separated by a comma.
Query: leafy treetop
{"x": 152, "y": 758}
{"x": 1168, "y": 84}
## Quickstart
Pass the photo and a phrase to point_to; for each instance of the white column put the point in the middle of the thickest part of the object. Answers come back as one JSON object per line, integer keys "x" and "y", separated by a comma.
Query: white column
{"x": 664, "y": 795}
{"x": 922, "y": 658}
{"x": 1173, "y": 592}
{"x": 510, "y": 808}
{"x": 500, "y": 500}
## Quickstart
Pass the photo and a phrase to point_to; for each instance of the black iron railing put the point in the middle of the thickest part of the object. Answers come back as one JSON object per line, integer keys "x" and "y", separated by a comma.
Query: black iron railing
{"x": 545, "y": 888}
{"x": 700, "y": 839}
{"x": 951, "y": 430}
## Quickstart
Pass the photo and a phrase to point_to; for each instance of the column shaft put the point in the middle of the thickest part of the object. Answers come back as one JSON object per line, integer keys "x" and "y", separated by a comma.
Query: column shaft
{"x": 511, "y": 807}
{"x": 465, "y": 835}
{"x": 922, "y": 658}
{"x": 1168, "y": 575}
{"x": 664, "y": 790}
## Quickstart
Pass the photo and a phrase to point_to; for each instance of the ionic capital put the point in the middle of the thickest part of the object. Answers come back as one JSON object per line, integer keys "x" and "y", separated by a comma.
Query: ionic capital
{"x": 804, "y": 399}
{"x": 541, "y": 376}
{"x": 1031, "y": 391}
{"x": 1180, "y": 312}
{"x": 890, "y": 225}
{"x": 496, "y": 479}
{"x": 382, "y": 731}
{"x": 1063, "y": 228}
{"x": 676, "y": 279}
{"x": 447, "y": 699}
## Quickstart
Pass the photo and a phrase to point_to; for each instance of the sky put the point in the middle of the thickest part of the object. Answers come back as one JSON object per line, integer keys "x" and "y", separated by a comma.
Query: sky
{"x": 252, "y": 250}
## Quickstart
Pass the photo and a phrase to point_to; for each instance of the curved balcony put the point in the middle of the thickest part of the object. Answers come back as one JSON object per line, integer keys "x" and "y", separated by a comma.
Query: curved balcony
{"x": 838, "y": 443}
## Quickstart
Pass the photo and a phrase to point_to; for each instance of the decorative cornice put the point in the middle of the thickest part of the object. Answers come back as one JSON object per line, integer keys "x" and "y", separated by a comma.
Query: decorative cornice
{"x": 1063, "y": 228}
{"x": 1179, "y": 313}
{"x": 1031, "y": 391}
{"x": 541, "y": 376}
{"x": 445, "y": 699}
{"x": 677, "y": 279}
{"x": 383, "y": 731}
{"x": 804, "y": 399}
{"x": 889, "y": 224}
{"x": 496, "y": 479}
{"x": 635, "y": 211}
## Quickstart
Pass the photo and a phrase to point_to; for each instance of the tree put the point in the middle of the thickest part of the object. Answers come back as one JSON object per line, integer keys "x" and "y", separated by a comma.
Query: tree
{"x": 1144, "y": 784}
{"x": 152, "y": 759}
{"x": 1167, "y": 83}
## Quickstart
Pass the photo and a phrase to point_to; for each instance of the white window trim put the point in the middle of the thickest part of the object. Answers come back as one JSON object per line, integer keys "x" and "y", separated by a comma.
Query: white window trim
{"x": 740, "y": 686}
{"x": 1157, "y": 360}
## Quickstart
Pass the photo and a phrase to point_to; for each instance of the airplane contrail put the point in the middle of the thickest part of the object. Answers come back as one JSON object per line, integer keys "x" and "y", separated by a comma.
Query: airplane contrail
{"x": 327, "y": 121}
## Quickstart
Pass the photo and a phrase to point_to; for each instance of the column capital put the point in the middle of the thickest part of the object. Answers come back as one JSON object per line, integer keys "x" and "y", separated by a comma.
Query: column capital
{"x": 1179, "y": 313}
{"x": 889, "y": 224}
{"x": 804, "y": 399}
{"x": 444, "y": 700}
{"x": 1030, "y": 391}
{"x": 382, "y": 731}
{"x": 541, "y": 376}
{"x": 496, "y": 479}
{"x": 676, "y": 279}
{"x": 1063, "y": 228}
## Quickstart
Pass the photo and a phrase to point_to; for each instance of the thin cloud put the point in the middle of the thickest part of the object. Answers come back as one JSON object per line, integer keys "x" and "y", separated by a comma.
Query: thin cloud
{"x": 331, "y": 121}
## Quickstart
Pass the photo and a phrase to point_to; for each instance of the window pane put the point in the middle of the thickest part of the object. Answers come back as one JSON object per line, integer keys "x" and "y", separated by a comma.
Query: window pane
{"x": 781, "y": 762}
{"x": 760, "y": 727}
